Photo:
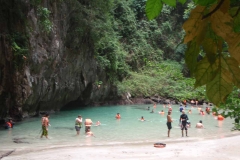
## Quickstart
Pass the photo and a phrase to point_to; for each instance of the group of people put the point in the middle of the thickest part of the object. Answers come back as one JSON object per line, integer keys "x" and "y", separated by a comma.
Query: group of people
{"x": 88, "y": 123}
{"x": 183, "y": 120}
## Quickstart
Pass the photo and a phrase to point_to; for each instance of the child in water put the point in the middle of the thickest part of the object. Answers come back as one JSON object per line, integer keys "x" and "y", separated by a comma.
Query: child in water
{"x": 98, "y": 123}
{"x": 142, "y": 119}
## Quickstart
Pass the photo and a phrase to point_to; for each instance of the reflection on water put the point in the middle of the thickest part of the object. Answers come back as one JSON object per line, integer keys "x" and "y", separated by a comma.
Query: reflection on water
{"x": 126, "y": 130}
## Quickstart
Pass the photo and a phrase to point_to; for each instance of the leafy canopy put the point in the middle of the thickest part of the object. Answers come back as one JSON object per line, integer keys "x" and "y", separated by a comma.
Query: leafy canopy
{"x": 214, "y": 28}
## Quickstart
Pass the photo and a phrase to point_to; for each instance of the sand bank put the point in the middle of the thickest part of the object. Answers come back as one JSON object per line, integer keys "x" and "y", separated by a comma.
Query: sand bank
{"x": 226, "y": 148}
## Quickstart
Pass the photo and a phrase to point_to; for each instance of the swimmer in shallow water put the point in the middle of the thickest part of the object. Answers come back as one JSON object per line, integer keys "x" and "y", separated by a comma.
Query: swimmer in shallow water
{"x": 98, "y": 123}
{"x": 89, "y": 132}
{"x": 199, "y": 125}
{"x": 142, "y": 119}
{"x": 162, "y": 112}
{"x": 118, "y": 116}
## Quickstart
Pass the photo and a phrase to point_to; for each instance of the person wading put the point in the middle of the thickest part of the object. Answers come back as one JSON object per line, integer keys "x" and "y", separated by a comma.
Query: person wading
{"x": 183, "y": 120}
{"x": 169, "y": 123}
{"x": 78, "y": 124}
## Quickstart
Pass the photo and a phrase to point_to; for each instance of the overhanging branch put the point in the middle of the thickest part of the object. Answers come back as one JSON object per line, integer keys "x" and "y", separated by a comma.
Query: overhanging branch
{"x": 215, "y": 9}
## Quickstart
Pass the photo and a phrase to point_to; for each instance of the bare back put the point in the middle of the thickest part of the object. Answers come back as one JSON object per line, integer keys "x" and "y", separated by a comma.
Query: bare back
{"x": 169, "y": 118}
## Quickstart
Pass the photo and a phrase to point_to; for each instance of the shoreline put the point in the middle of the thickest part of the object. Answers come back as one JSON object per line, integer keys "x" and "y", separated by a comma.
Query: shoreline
{"x": 216, "y": 148}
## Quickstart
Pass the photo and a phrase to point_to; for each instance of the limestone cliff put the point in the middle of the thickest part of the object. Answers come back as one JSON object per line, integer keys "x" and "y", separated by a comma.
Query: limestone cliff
{"x": 56, "y": 69}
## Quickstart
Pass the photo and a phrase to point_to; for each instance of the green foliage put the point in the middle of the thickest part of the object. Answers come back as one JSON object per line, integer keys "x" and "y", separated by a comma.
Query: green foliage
{"x": 153, "y": 8}
{"x": 164, "y": 79}
{"x": 205, "y": 2}
{"x": 19, "y": 48}
{"x": 231, "y": 108}
{"x": 44, "y": 21}
{"x": 189, "y": 8}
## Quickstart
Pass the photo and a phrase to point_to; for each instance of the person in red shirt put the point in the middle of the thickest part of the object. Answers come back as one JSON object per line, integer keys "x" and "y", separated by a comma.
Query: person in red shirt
{"x": 9, "y": 124}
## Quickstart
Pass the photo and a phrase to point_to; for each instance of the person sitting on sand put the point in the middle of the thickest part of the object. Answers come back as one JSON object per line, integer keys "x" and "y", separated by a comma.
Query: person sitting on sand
{"x": 199, "y": 125}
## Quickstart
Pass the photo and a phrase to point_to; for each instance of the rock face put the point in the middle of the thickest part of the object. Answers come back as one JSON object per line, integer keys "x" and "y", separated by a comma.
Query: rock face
{"x": 58, "y": 68}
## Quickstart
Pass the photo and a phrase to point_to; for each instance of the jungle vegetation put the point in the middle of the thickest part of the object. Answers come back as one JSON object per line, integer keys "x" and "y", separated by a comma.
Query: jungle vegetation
{"x": 169, "y": 48}
{"x": 212, "y": 31}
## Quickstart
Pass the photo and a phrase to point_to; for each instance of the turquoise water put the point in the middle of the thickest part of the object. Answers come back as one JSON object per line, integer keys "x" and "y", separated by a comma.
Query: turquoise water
{"x": 126, "y": 130}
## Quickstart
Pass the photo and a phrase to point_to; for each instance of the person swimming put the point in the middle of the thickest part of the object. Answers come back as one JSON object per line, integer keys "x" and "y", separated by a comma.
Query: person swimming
{"x": 118, "y": 116}
{"x": 142, "y": 119}
{"x": 189, "y": 111}
{"x": 162, "y": 112}
{"x": 98, "y": 123}
{"x": 152, "y": 111}
{"x": 199, "y": 125}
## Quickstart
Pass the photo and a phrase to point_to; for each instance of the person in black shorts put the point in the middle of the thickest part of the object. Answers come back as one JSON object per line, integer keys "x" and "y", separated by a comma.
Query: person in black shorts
{"x": 183, "y": 120}
{"x": 169, "y": 122}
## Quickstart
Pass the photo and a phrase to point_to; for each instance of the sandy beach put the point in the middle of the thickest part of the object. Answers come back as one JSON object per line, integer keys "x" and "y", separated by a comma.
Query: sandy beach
{"x": 226, "y": 148}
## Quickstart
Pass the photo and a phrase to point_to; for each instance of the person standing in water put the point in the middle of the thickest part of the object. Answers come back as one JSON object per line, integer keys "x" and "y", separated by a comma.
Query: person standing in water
{"x": 78, "y": 124}
{"x": 118, "y": 116}
{"x": 88, "y": 124}
{"x": 183, "y": 120}
{"x": 45, "y": 124}
{"x": 169, "y": 123}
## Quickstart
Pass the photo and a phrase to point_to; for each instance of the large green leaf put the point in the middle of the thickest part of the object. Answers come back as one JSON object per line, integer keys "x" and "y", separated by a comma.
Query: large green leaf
{"x": 205, "y": 2}
{"x": 221, "y": 86}
{"x": 236, "y": 19}
{"x": 170, "y": 2}
{"x": 210, "y": 48}
{"x": 203, "y": 73}
{"x": 234, "y": 70}
{"x": 153, "y": 8}
{"x": 182, "y": 1}
{"x": 191, "y": 55}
